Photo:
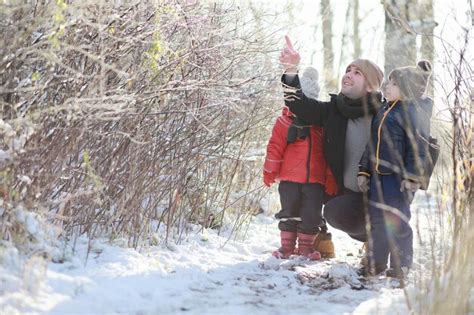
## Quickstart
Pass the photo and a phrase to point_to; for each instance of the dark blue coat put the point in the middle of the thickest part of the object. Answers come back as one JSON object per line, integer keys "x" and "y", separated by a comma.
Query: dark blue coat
{"x": 397, "y": 142}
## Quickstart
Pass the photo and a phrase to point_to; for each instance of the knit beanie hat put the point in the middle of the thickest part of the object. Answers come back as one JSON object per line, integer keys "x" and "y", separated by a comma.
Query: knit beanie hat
{"x": 309, "y": 83}
{"x": 412, "y": 81}
{"x": 372, "y": 73}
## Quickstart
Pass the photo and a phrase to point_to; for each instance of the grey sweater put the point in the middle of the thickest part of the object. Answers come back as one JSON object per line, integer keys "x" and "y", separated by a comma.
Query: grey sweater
{"x": 357, "y": 136}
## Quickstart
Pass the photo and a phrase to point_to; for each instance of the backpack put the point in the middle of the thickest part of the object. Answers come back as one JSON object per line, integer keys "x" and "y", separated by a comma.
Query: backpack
{"x": 433, "y": 149}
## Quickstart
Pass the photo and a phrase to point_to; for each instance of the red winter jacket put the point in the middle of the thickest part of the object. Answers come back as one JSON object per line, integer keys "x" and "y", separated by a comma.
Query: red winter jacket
{"x": 301, "y": 161}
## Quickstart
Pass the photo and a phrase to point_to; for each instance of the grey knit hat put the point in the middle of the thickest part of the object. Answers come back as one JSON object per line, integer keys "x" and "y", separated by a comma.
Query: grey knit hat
{"x": 309, "y": 83}
{"x": 412, "y": 81}
{"x": 372, "y": 73}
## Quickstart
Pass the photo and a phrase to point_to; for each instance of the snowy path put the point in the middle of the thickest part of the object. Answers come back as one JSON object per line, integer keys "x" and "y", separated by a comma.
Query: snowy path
{"x": 202, "y": 277}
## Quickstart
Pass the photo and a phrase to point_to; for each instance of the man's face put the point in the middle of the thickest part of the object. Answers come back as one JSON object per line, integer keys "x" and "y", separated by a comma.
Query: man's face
{"x": 353, "y": 83}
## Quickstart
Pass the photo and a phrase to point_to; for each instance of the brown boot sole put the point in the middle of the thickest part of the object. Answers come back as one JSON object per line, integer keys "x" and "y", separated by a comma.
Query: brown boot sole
{"x": 326, "y": 248}
{"x": 328, "y": 255}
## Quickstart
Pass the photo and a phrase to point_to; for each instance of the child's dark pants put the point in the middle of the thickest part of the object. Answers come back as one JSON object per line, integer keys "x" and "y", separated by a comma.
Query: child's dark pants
{"x": 301, "y": 207}
{"x": 389, "y": 210}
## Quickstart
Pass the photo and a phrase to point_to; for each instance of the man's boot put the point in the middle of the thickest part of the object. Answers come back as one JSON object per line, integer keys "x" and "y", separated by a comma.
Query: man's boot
{"x": 399, "y": 273}
{"x": 305, "y": 246}
{"x": 364, "y": 261}
{"x": 288, "y": 243}
{"x": 323, "y": 244}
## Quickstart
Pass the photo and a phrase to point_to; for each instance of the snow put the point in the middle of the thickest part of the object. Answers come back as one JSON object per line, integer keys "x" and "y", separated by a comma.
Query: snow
{"x": 200, "y": 276}
{"x": 206, "y": 274}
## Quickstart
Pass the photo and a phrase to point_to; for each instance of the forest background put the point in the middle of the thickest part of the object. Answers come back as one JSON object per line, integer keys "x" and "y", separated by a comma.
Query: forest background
{"x": 137, "y": 121}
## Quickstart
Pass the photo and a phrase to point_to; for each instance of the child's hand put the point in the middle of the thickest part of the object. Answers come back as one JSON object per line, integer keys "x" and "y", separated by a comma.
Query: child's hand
{"x": 409, "y": 185}
{"x": 363, "y": 183}
{"x": 269, "y": 178}
{"x": 289, "y": 57}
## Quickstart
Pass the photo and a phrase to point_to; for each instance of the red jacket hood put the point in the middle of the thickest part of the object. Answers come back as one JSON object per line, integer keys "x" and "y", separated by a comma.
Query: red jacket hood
{"x": 286, "y": 112}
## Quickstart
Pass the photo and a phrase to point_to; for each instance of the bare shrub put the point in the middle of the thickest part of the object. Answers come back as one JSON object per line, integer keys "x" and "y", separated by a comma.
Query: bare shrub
{"x": 452, "y": 290}
{"x": 142, "y": 113}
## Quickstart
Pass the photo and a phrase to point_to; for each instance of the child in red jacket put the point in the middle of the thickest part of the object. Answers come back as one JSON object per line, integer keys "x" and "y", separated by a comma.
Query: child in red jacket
{"x": 295, "y": 158}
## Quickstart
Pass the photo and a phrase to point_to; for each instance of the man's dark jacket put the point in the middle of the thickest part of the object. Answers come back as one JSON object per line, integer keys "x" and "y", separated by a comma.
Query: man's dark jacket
{"x": 332, "y": 116}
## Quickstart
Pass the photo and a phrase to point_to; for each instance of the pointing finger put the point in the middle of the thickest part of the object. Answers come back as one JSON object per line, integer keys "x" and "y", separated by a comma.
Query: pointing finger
{"x": 289, "y": 44}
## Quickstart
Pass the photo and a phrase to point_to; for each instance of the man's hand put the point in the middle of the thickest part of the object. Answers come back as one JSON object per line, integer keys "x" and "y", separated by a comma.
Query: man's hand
{"x": 409, "y": 185}
{"x": 363, "y": 183}
{"x": 289, "y": 57}
{"x": 269, "y": 178}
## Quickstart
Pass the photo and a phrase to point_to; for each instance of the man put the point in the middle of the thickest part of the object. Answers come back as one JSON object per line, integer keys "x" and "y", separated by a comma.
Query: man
{"x": 346, "y": 121}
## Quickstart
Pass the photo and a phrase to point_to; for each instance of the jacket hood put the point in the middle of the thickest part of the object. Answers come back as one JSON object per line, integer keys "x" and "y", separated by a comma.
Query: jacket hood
{"x": 412, "y": 81}
{"x": 426, "y": 104}
{"x": 286, "y": 112}
{"x": 423, "y": 104}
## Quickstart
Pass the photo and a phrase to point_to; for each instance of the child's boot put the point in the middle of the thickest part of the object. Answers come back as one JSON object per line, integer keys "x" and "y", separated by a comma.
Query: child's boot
{"x": 324, "y": 245}
{"x": 376, "y": 269}
{"x": 288, "y": 243}
{"x": 305, "y": 246}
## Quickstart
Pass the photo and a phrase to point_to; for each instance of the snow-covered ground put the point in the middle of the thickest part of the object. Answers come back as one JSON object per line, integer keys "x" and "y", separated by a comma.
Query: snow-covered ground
{"x": 206, "y": 274}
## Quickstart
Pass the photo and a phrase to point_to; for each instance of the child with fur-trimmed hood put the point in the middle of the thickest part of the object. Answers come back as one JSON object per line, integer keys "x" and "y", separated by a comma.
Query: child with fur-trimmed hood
{"x": 391, "y": 168}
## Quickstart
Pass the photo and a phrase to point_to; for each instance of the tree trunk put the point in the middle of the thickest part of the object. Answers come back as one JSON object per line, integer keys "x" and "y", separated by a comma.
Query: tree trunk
{"x": 400, "y": 39}
{"x": 470, "y": 146}
{"x": 356, "y": 22}
{"x": 328, "y": 71}
{"x": 314, "y": 38}
{"x": 427, "y": 43}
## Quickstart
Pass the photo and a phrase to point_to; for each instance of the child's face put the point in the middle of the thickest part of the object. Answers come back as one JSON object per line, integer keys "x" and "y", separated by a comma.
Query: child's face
{"x": 392, "y": 91}
{"x": 353, "y": 83}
